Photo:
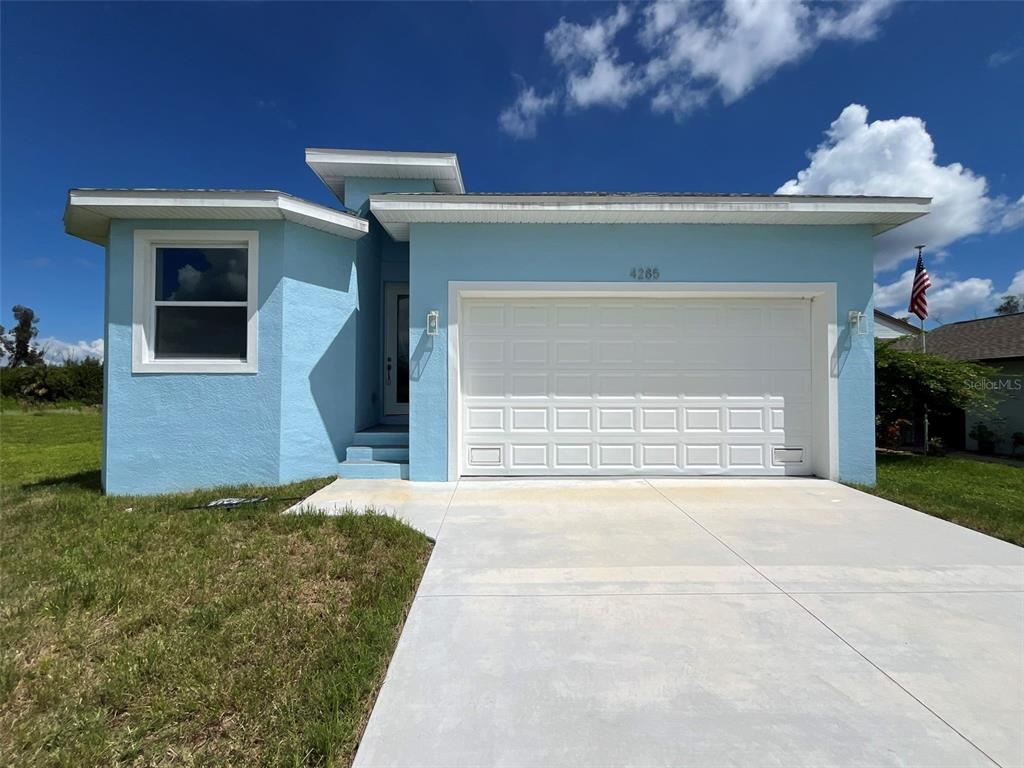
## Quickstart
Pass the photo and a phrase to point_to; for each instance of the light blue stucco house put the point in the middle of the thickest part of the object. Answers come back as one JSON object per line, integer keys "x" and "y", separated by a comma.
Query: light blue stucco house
{"x": 423, "y": 332}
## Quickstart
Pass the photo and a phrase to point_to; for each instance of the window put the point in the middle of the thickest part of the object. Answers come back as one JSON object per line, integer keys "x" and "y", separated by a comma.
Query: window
{"x": 195, "y": 301}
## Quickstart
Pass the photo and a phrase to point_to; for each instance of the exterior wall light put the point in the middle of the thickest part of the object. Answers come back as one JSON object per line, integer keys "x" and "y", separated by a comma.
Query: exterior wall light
{"x": 858, "y": 323}
{"x": 432, "y": 322}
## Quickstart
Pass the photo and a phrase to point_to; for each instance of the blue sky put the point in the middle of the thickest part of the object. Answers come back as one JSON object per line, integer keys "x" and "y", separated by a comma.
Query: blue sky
{"x": 922, "y": 98}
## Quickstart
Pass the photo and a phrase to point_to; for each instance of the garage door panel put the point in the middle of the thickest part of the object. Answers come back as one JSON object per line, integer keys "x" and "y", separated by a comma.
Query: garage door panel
{"x": 530, "y": 316}
{"x": 528, "y": 385}
{"x": 529, "y": 420}
{"x": 483, "y": 384}
{"x": 604, "y": 386}
{"x": 485, "y": 317}
{"x": 483, "y": 350}
{"x": 572, "y": 419}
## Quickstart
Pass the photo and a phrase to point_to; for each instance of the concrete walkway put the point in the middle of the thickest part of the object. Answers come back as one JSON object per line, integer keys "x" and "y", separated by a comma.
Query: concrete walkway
{"x": 692, "y": 622}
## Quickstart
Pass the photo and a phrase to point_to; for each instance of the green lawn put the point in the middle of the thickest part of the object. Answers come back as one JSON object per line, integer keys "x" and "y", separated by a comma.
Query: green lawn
{"x": 984, "y": 496}
{"x": 134, "y": 631}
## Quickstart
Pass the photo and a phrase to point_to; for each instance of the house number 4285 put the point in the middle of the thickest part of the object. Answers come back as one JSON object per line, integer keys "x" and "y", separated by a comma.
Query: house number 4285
{"x": 645, "y": 273}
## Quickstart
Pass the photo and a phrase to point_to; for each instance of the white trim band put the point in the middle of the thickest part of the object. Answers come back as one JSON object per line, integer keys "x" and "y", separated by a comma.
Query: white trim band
{"x": 89, "y": 211}
{"x": 333, "y": 166}
{"x": 396, "y": 212}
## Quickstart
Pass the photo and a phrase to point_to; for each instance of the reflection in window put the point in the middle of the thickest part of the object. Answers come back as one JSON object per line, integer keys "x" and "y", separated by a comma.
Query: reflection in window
{"x": 201, "y": 274}
{"x": 215, "y": 333}
{"x": 201, "y": 309}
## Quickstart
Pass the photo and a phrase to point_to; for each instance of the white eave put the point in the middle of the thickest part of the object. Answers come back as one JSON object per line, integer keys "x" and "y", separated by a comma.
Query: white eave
{"x": 396, "y": 212}
{"x": 333, "y": 166}
{"x": 88, "y": 212}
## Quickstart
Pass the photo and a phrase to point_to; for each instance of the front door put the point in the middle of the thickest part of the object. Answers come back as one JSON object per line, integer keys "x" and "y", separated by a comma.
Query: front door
{"x": 396, "y": 348}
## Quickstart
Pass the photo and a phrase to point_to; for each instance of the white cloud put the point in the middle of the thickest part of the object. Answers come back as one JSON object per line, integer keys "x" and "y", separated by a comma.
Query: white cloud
{"x": 1003, "y": 56}
{"x": 949, "y": 299}
{"x": 897, "y": 157}
{"x": 1013, "y": 215}
{"x": 520, "y": 119}
{"x": 730, "y": 50}
{"x": 691, "y": 50}
{"x": 957, "y": 299}
{"x": 607, "y": 82}
{"x": 593, "y": 72}
{"x": 570, "y": 43}
{"x": 858, "y": 21}
{"x": 56, "y": 351}
{"x": 1016, "y": 285}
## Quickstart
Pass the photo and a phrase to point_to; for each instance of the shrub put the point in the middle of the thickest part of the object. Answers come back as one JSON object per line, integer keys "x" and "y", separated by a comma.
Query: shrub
{"x": 986, "y": 437}
{"x": 908, "y": 383}
{"x": 78, "y": 381}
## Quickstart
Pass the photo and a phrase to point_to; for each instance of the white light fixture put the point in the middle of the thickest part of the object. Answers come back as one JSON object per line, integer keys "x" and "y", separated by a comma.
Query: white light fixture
{"x": 858, "y": 323}
{"x": 432, "y": 321}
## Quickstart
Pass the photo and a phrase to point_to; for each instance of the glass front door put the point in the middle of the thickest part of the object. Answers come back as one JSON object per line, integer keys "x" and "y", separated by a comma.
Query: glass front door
{"x": 396, "y": 348}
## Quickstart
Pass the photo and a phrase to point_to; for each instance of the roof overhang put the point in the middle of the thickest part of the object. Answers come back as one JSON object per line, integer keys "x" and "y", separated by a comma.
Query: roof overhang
{"x": 896, "y": 322}
{"x": 88, "y": 212}
{"x": 333, "y": 166}
{"x": 396, "y": 212}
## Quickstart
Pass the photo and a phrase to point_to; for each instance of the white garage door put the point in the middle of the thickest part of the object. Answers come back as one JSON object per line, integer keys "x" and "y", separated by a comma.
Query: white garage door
{"x": 604, "y": 386}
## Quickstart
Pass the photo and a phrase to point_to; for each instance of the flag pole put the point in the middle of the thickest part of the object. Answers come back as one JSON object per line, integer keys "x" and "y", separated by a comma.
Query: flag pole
{"x": 924, "y": 349}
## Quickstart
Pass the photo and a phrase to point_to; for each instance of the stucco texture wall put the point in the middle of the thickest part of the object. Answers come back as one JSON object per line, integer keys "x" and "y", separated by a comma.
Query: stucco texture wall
{"x": 440, "y": 253}
{"x": 291, "y": 419}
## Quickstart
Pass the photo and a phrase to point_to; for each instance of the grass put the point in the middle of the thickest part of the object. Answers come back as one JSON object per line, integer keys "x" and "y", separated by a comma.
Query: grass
{"x": 985, "y": 496}
{"x": 134, "y": 631}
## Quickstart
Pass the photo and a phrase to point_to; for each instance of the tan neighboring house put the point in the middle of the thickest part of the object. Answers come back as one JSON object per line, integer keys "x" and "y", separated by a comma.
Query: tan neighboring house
{"x": 997, "y": 341}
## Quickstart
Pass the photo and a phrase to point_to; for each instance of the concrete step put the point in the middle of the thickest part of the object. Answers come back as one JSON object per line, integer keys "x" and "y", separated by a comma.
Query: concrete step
{"x": 373, "y": 470}
{"x": 394, "y": 436}
{"x": 377, "y": 452}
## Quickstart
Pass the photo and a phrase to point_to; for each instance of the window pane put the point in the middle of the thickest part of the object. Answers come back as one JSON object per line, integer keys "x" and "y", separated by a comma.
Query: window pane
{"x": 200, "y": 332}
{"x": 201, "y": 274}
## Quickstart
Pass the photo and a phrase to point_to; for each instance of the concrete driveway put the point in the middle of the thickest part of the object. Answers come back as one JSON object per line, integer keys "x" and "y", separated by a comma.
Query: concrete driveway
{"x": 692, "y": 622}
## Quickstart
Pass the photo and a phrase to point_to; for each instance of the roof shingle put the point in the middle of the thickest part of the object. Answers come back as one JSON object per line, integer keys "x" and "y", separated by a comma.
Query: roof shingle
{"x": 989, "y": 338}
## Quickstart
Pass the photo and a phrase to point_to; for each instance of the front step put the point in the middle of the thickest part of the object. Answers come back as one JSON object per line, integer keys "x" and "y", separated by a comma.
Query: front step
{"x": 379, "y": 452}
{"x": 356, "y": 469}
{"x": 394, "y": 435}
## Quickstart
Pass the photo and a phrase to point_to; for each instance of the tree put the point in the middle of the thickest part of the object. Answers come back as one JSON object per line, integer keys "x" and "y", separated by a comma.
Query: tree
{"x": 1011, "y": 305}
{"x": 16, "y": 345}
{"x": 907, "y": 383}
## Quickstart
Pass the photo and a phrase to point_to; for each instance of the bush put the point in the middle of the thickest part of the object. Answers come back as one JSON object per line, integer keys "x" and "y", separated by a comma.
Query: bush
{"x": 78, "y": 381}
{"x": 986, "y": 437}
{"x": 907, "y": 384}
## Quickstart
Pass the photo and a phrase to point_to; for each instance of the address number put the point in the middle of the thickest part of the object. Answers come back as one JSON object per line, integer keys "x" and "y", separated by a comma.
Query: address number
{"x": 645, "y": 273}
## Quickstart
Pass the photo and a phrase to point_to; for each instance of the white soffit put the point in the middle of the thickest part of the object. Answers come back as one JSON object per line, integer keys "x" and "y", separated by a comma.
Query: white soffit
{"x": 333, "y": 166}
{"x": 88, "y": 212}
{"x": 397, "y": 211}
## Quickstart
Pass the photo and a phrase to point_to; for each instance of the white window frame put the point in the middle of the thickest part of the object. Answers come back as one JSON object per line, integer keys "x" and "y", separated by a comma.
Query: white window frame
{"x": 144, "y": 302}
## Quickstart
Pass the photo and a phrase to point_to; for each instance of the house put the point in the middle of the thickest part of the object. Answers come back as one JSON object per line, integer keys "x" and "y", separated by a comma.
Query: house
{"x": 998, "y": 342}
{"x": 425, "y": 332}
{"x": 889, "y": 327}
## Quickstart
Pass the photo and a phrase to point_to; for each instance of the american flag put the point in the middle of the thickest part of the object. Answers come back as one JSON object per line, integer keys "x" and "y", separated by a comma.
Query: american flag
{"x": 918, "y": 300}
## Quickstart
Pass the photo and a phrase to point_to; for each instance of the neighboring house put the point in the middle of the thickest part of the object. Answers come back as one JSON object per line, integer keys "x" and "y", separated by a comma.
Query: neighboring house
{"x": 996, "y": 341}
{"x": 889, "y": 327}
{"x": 432, "y": 333}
